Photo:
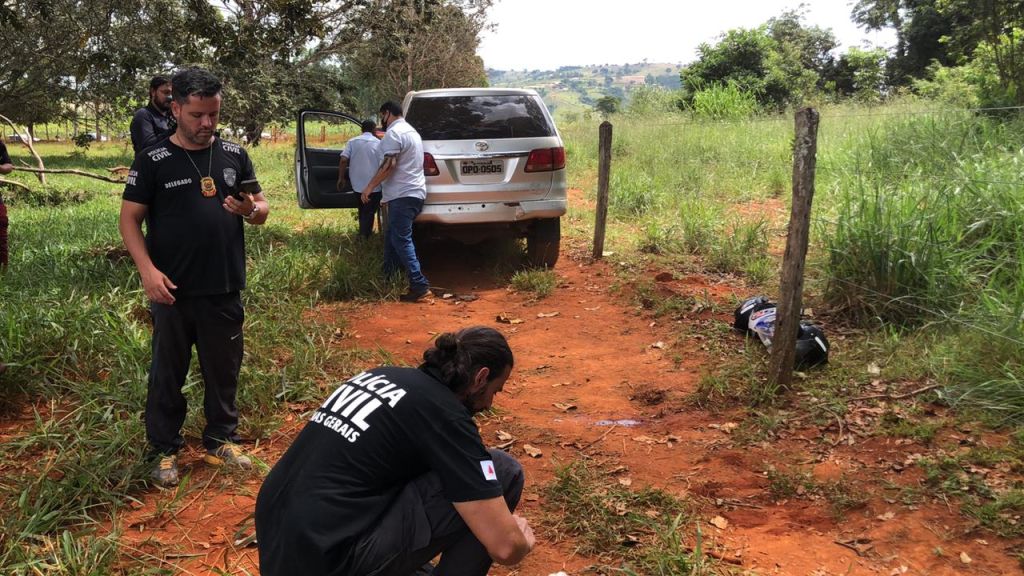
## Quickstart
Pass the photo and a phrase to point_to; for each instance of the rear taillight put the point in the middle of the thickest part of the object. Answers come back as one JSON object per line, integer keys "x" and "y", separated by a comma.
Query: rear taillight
{"x": 429, "y": 166}
{"x": 546, "y": 160}
{"x": 559, "y": 157}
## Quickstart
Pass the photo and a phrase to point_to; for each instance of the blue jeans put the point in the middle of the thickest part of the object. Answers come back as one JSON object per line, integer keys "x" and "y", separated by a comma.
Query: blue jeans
{"x": 399, "y": 251}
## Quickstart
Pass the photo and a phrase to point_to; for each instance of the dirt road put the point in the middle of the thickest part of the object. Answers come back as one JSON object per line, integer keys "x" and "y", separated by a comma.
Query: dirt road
{"x": 599, "y": 379}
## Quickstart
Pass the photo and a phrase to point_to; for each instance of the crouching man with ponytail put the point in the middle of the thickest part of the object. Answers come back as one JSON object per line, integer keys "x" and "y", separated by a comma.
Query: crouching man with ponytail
{"x": 390, "y": 471}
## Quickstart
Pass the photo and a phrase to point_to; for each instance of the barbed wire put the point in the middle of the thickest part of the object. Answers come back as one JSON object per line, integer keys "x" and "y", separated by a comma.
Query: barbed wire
{"x": 955, "y": 179}
{"x": 824, "y": 114}
{"x": 931, "y": 111}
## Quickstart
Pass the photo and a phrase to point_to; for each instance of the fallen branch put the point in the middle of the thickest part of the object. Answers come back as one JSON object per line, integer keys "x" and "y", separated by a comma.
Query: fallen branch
{"x": 15, "y": 184}
{"x": 26, "y": 139}
{"x": 897, "y": 396}
{"x": 609, "y": 431}
{"x": 903, "y": 396}
{"x": 191, "y": 502}
{"x": 71, "y": 171}
{"x": 718, "y": 556}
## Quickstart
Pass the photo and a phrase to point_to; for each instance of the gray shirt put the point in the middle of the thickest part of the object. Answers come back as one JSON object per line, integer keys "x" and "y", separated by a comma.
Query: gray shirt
{"x": 363, "y": 153}
{"x": 407, "y": 179}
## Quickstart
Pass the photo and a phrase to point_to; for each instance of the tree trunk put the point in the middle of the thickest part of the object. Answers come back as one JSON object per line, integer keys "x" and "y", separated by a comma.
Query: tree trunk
{"x": 253, "y": 133}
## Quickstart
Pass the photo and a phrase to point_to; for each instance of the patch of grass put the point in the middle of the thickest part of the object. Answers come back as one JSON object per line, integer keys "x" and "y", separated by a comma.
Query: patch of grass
{"x": 614, "y": 522}
{"x": 893, "y": 424}
{"x": 784, "y": 484}
{"x": 759, "y": 427}
{"x": 670, "y": 556}
{"x": 1002, "y": 515}
{"x": 662, "y": 302}
{"x": 541, "y": 283}
{"x": 741, "y": 380}
{"x": 741, "y": 247}
{"x": 948, "y": 475}
{"x": 903, "y": 494}
{"x": 842, "y": 495}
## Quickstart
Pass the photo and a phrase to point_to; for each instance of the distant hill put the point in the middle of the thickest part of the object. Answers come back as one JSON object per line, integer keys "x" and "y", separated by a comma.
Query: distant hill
{"x": 573, "y": 89}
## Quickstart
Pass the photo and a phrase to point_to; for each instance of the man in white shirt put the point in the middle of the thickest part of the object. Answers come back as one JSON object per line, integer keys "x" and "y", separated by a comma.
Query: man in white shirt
{"x": 405, "y": 189}
{"x": 358, "y": 163}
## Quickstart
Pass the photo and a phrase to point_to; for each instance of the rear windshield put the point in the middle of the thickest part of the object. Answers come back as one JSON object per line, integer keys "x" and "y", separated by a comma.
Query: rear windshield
{"x": 473, "y": 117}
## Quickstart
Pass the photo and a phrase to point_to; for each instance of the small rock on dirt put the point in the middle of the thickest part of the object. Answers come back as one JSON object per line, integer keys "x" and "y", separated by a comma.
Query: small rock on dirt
{"x": 532, "y": 451}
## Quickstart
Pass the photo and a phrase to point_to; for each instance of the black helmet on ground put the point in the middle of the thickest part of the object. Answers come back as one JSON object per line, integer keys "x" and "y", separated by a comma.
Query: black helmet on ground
{"x": 811, "y": 347}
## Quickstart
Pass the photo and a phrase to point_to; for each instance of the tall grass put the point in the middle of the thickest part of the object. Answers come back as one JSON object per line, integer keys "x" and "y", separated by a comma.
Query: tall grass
{"x": 918, "y": 219}
{"x": 926, "y": 229}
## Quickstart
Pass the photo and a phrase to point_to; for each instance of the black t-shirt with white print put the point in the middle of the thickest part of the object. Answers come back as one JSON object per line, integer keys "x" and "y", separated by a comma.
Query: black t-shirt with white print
{"x": 190, "y": 237}
{"x": 372, "y": 436}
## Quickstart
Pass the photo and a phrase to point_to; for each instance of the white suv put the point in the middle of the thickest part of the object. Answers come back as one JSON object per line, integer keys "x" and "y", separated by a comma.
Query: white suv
{"x": 493, "y": 159}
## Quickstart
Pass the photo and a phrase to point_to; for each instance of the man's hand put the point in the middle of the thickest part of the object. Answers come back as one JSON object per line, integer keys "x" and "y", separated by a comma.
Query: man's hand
{"x": 342, "y": 182}
{"x": 158, "y": 287}
{"x": 531, "y": 540}
{"x": 238, "y": 207}
{"x": 365, "y": 196}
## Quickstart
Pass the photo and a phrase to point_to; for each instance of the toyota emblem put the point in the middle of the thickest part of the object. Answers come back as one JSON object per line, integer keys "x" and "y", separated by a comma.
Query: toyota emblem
{"x": 482, "y": 146}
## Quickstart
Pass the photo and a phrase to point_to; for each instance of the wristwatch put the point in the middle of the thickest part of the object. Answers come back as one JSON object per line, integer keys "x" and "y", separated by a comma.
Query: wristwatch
{"x": 255, "y": 211}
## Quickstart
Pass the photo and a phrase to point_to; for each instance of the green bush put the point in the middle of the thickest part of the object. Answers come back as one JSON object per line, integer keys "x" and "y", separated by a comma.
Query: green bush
{"x": 723, "y": 102}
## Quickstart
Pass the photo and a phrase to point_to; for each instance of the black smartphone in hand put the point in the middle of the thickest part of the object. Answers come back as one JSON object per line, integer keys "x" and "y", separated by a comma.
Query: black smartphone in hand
{"x": 247, "y": 186}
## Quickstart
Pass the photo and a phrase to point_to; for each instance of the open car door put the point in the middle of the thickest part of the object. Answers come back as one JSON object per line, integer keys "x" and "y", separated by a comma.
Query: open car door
{"x": 320, "y": 137}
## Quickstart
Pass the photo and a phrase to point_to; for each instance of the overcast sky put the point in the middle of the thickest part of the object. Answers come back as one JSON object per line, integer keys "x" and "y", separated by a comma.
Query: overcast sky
{"x": 546, "y": 34}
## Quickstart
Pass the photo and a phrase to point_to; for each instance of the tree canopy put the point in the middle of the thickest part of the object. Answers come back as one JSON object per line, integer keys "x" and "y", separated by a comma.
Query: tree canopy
{"x": 274, "y": 56}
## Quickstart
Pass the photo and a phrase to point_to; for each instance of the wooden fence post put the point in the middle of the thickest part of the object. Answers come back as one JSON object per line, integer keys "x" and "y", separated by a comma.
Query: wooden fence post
{"x": 787, "y": 318}
{"x": 323, "y": 133}
{"x": 604, "y": 167}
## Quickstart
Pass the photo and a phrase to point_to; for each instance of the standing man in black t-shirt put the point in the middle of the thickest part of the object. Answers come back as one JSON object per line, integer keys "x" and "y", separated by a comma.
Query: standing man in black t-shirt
{"x": 391, "y": 471}
{"x": 6, "y": 167}
{"x": 195, "y": 192}
{"x": 149, "y": 125}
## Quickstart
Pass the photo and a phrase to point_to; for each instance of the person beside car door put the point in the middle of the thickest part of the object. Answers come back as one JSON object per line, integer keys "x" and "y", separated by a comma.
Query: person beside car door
{"x": 359, "y": 162}
{"x": 405, "y": 189}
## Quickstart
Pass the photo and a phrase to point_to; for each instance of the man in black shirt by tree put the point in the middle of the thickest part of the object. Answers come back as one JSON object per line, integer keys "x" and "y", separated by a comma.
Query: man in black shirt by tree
{"x": 149, "y": 125}
{"x": 391, "y": 471}
{"x": 195, "y": 192}
{"x": 6, "y": 167}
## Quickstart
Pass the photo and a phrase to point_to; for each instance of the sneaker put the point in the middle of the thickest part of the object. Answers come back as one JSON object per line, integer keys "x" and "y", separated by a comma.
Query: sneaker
{"x": 228, "y": 453}
{"x": 424, "y": 295}
{"x": 166, "y": 472}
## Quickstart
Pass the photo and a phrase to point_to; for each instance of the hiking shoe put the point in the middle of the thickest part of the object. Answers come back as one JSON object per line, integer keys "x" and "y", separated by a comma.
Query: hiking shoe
{"x": 166, "y": 472}
{"x": 228, "y": 453}
{"x": 424, "y": 295}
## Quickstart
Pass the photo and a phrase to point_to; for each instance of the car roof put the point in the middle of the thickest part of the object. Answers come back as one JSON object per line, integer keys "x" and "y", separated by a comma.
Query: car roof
{"x": 436, "y": 92}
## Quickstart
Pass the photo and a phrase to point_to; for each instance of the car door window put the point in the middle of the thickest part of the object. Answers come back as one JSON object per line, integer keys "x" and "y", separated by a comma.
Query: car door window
{"x": 322, "y": 137}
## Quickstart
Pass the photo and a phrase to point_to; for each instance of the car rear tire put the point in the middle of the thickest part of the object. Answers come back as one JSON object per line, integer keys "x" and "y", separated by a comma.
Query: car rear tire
{"x": 542, "y": 242}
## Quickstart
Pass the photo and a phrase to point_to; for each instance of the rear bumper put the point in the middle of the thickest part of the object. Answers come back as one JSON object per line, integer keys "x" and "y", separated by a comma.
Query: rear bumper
{"x": 491, "y": 212}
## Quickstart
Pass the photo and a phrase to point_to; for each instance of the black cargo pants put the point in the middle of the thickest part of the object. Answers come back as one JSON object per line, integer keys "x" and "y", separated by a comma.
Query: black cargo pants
{"x": 422, "y": 523}
{"x": 213, "y": 324}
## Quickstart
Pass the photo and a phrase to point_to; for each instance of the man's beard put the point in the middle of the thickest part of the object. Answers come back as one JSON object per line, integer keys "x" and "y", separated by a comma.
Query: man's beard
{"x": 471, "y": 401}
{"x": 199, "y": 138}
